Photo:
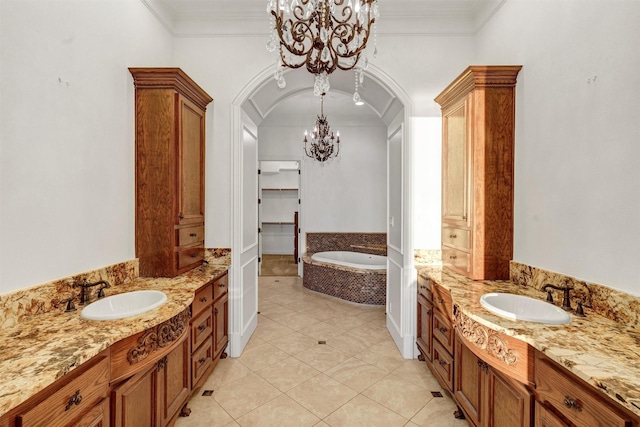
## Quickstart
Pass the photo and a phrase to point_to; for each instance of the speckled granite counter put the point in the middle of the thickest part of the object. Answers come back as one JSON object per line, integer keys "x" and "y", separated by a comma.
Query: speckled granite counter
{"x": 44, "y": 347}
{"x": 602, "y": 352}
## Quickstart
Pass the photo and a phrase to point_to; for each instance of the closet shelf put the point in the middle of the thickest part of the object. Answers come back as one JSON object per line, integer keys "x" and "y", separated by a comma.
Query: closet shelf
{"x": 278, "y": 222}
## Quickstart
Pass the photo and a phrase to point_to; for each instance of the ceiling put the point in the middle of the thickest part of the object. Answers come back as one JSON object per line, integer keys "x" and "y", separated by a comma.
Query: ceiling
{"x": 269, "y": 105}
{"x": 222, "y": 17}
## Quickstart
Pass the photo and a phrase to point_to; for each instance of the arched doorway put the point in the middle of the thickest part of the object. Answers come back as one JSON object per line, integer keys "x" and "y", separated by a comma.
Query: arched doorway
{"x": 393, "y": 107}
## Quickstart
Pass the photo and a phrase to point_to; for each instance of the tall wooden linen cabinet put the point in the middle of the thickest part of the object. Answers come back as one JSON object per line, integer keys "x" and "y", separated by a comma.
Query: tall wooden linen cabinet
{"x": 478, "y": 120}
{"x": 170, "y": 140}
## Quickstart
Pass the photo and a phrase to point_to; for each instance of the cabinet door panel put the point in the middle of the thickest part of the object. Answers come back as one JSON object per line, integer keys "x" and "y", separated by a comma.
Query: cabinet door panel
{"x": 221, "y": 324}
{"x": 469, "y": 382}
{"x": 456, "y": 164}
{"x": 508, "y": 402}
{"x": 173, "y": 382}
{"x": 133, "y": 402}
{"x": 425, "y": 327}
{"x": 191, "y": 162}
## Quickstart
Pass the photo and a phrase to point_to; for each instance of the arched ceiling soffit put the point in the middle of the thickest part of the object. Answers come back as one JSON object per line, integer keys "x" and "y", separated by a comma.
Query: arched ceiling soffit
{"x": 296, "y": 101}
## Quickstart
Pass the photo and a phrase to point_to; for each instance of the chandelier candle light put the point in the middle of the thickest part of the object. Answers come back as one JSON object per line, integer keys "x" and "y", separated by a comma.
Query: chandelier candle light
{"x": 323, "y": 145}
{"x": 322, "y": 35}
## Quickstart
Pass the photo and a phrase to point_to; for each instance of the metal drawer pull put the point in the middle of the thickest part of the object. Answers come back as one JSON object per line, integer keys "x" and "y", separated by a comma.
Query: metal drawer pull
{"x": 202, "y": 327}
{"x": 452, "y": 236}
{"x": 440, "y": 300}
{"x": 215, "y": 311}
{"x": 453, "y": 256}
{"x": 442, "y": 362}
{"x": 194, "y": 255}
{"x": 203, "y": 299}
{"x": 74, "y": 400}
{"x": 202, "y": 360}
{"x": 443, "y": 329}
{"x": 193, "y": 234}
{"x": 428, "y": 312}
{"x": 571, "y": 403}
{"x": 222, "y": 285}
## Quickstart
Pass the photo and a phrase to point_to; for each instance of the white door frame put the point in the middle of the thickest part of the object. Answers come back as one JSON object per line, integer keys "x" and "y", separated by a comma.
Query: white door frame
{"x": 404, "y": 332}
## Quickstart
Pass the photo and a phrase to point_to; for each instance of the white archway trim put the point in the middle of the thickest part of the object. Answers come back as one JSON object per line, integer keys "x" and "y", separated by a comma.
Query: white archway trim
{"x": 403, "y": 334}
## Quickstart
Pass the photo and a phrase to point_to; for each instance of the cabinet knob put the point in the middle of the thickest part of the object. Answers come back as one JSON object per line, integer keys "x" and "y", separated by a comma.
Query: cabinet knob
{"x": 428, "y": 312}
{"x": 215, "y": 311}
{"x": 571, "y": 403}
{"x": 181, "y": 216}
{"x": 74, "y": 400}
{"x": 194, "y": 255}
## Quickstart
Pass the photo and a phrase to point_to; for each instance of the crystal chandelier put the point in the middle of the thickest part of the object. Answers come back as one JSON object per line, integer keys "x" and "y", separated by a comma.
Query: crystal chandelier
{"x": 323, "y": 145}
{"x": 322, "y": 35}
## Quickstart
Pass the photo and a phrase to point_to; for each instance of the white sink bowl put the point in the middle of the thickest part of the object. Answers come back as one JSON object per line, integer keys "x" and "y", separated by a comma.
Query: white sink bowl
{"x": 518, "y": 307}
{"x": 123, "y": 305}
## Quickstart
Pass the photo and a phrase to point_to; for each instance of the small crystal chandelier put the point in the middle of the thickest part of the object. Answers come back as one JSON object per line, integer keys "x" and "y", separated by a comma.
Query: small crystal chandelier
{"x": 322, "y": 35}
{"x": 323, "y": 145}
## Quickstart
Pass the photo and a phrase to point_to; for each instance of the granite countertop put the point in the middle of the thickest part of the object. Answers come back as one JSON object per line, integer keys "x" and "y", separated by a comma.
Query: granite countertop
{"x": 45, "y": 347}
{"x": 600, "y": 351}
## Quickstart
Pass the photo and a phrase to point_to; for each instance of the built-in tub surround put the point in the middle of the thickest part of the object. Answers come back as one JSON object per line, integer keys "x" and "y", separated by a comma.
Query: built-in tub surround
{"x": 371, "y": 243}
{"x": 362, "y": 286}
{"x": 604, "y": 353}
{"x": 614, "y": 305}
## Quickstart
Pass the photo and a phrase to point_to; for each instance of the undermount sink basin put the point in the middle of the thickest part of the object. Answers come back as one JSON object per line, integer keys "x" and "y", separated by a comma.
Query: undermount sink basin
{"x": 123, "y": 305}
{"x": 518, "y": 307}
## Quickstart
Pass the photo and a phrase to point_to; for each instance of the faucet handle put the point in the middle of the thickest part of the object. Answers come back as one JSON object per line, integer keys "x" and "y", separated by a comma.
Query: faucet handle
{"x": 580, "y": 310}
{"x": 550, "y": 296}
{"x": 101, "y": 292}
{"x": 70, "y": 305}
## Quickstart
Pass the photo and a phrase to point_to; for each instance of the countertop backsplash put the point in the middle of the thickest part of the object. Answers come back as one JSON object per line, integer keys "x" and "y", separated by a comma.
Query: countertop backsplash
{"x": 622, "y": 308}
{"x": 53, "y": 295}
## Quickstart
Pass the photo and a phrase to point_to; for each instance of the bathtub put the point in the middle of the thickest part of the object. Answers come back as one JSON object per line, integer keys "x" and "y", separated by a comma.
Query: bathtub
{"x": 351, "y": 276}
{"x": 352, "y": 259}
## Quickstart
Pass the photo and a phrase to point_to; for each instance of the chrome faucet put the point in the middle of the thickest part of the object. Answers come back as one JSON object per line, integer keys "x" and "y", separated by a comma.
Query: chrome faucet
{"x": 566, "y": 302}
{"x": 84, "y": 291}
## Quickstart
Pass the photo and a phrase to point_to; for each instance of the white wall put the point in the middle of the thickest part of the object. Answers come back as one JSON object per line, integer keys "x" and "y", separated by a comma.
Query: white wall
{"x": 344, "y": 194}
{"x": 67, "y": 133}
{"x": 577, "y": 194}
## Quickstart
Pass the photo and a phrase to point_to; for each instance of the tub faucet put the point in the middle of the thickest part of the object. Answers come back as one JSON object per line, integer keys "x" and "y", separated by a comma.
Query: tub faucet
{"x": 84, "y": 289}
{"x": 566, "y": 302}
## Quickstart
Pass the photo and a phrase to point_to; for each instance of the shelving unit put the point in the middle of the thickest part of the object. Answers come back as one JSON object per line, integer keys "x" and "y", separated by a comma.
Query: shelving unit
{"x": 279, "y": 203}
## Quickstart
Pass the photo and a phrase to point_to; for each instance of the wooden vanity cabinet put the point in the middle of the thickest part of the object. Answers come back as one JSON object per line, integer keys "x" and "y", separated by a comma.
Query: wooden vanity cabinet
{"x": 435, "y": 331}
{"x": 170, "y": 149}
{"x": 487, "y": 397}
{"x": 563, "y": 399}
{"x": 478, "y": 119}
{"x": 209, "y": 328}
{"x": 80, "y": 398}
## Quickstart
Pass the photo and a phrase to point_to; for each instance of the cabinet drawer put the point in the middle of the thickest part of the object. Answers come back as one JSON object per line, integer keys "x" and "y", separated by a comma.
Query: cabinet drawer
{"x": 442, "y": 302}
{"x": 203, "y": 298}
{"x": 200, "y": 362}
{"x": 220, "y": 286}
{"x": 187, "y": 257}
{"x": 424, "y": 288}
{"x": 443, "y": 364}
{"x": 456, "y": 259}
{"x": 83, "y": 391}
{"x": 456, "y": 237}
{"x": 201, "y": 328}
{"x": 443, "y": 331}
{"x": 546, "y": 418}
{"x": 574, "y": 400}
{"x": 190, "y": 235}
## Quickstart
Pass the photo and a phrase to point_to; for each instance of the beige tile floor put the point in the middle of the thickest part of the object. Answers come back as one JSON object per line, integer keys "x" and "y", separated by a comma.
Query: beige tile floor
{"x": 286, "y": 378}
